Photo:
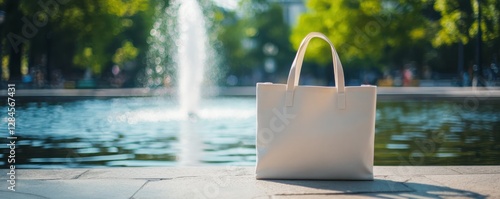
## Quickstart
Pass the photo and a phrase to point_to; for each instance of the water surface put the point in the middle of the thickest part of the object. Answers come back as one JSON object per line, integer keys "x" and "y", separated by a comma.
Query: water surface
{"x": 152, "y": 132}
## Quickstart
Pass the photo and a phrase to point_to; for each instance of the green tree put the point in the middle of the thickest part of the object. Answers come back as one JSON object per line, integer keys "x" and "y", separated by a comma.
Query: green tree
{"x": 459, "y": 25}
{"x": 13, "y": 17}
{"x": 254, "y": 35}
{"x": 96, "y": 23}
{"x": 458, "y": 22}
{"x": 368, "y": 32}
{"x": 74, "y": 35}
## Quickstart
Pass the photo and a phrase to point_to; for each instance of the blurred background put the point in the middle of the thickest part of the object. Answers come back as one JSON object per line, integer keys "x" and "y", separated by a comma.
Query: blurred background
{"x": 115, "y": 44}
{"x": 124, "y": 83}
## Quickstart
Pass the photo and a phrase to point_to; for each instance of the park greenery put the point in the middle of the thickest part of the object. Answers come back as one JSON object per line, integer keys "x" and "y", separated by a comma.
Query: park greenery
{"x": 68, "y": 37}
{"x": 65, "y": 39}
{"x": 374, "y": 33}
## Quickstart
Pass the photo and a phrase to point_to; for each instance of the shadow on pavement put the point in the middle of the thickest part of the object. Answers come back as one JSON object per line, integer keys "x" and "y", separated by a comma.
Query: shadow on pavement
{"x": 379, "y": 188}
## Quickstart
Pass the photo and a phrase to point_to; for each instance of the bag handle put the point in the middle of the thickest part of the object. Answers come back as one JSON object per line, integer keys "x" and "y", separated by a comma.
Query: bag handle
{"x": 293, "y": 76}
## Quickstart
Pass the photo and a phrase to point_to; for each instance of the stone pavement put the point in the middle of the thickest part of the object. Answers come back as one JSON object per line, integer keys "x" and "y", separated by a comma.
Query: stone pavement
{"x": 239, "y": 182}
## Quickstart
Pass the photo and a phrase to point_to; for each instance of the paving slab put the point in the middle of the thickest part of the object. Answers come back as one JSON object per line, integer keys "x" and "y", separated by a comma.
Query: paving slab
{"x": 237, "y": 186}
{"x": 476, "y": 169}
{"x": 429, "y": 188}
{"x": 240, "y": 182}
{"x": 410, "y": 170}
{"x": 72, "y": 189}
{"x": 46, "y": 174}
{"x": 171, "y": 172}
{"x": 19, "y": 195}
{"x": 203, "y": 187}
{"x": 489, "y": 184}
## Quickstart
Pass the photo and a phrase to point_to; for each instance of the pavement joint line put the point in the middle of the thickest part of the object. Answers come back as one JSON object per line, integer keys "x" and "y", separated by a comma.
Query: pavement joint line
{"x": 455, "y": 170}
{"x": 153, "y": 179}
{"x": 406, "y": 185}
{"x": 81, "y": 174}
{"x": 160, "y": 179}
{"x": 407, "y": 180}
{"x": 143, "y": 185}
{"x": 179, "y": 177}
{"x": 439, "y": 183}
{"x": 22, "y": 193}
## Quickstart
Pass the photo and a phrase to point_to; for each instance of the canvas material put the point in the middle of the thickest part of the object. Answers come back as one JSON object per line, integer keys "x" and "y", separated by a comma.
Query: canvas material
{"x": 315, "y": 132}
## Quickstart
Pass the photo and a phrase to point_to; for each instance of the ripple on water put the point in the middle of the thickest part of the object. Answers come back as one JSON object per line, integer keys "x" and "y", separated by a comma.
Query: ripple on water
{"x": 397, "y": 146}
{"x": 153, "y": 132}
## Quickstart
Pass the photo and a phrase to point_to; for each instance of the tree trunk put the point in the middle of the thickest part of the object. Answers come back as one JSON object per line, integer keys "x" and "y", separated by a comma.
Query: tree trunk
{"x": 13, "y": 26}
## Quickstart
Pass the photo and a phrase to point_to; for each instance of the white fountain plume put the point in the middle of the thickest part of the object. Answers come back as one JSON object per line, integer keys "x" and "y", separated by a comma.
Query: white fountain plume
{"x": 179, "y": 45}
{"x": 191, "y": 55}
{"x": 191, "y": 63}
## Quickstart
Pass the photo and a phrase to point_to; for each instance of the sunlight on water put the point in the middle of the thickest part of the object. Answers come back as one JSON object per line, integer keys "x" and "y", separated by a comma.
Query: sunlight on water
{"x": 152, "y": 131}
{"x": 179, "y": 115}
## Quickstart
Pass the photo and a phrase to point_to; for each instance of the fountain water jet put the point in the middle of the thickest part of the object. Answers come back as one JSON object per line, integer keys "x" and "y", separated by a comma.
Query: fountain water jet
{"x": 191, "y": 58}
{"x": 179, "y": 45}
{"x": 179, "y": 50}
{"x": 191, "y": 55}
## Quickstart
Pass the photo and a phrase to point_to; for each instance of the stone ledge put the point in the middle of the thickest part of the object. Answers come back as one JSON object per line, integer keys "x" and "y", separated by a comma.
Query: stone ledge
{"x": 384, "y": 92}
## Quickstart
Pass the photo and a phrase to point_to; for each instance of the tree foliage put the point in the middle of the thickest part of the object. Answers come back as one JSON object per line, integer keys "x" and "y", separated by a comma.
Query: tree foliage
{"x": 395, "y": 32}
{"x": 361, "y": 30}
{"x": 256, "y": 32}
{"x": 77, "y": 34}
{"x": 73, "y": 36}
{"x": 458, "y": 22}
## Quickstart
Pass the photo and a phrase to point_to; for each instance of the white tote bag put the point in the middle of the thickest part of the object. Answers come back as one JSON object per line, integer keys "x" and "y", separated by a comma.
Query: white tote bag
{"x": 315, "y": 132}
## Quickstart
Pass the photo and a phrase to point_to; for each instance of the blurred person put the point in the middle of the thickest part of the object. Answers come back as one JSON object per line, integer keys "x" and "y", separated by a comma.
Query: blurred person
{"x": 495, "y": 72}
{"x": 28, "y": 78}
{"x": 369, "y": 77}
{"x": 427, "y": 72}
{"x": 398, "y": 78}
{"x": 465, "y": 79}
{"x": 407, "y": 76}
{"x": 57, "y": 79}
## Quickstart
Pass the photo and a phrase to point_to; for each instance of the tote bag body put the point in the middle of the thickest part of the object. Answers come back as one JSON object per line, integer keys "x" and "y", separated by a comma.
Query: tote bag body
{"x": 315, "y": 132}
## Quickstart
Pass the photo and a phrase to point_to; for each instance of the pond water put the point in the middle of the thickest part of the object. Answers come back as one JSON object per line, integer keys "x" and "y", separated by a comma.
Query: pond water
{"x": 125, "y": 132}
